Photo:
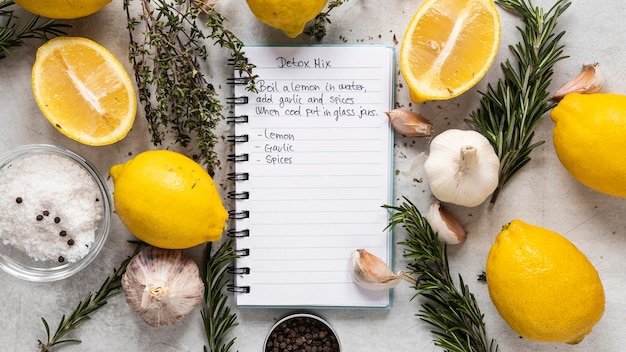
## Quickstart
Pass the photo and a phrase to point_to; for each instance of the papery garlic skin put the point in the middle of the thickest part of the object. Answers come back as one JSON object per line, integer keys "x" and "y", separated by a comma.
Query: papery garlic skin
{"x": 589, "y": 80}
{"x": 371, "y": 273}
{"x": 462, "y": 167}
{"x": 162, "y": 285}
{"x": 410, "y": 123}
{"x": 447, "y": 227}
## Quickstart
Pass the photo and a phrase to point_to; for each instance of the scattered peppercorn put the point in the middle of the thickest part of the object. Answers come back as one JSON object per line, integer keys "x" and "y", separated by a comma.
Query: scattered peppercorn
{"x": 19, "y": 200}
{"x": 39, "y": 217}
{"x": 61, "y": 259}
{"x": 70, "y": 242}
{"x": 46, "y": 213}
{"x": 63, "y": 233}
{"x": 57, "y": 220}
{"x": 302, "y": 334}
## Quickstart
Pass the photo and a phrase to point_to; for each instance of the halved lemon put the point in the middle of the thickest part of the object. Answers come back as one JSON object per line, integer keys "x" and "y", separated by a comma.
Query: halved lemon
{"x": 448, "y": 47}
{"x": 84, "y": 91}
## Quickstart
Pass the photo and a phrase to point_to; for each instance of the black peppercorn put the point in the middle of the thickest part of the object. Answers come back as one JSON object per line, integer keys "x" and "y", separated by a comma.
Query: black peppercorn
{"x": 302, "y": 334}
{"x": 57, "y": 220}
{"x": 61, "y": 259}
{"x": 63, "y": 233}
{"x": 46, "y": 213}
{"x": 39, "y": 217}
{"x": 70, "y": 242}
{"x": 18, "y": 200}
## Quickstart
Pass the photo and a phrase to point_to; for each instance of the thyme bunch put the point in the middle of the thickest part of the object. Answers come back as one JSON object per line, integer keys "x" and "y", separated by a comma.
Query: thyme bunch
{"x": 13, "y": 36}
{"x": 227, "y": 39}
{"x": 318, "y": 29}
{"x": 510, "y": 111}
{"x": 216, "y": 315}
{"x": 167, "y": 58}
{"x": 92, "y": 302}
{"x": 452, "y": 310}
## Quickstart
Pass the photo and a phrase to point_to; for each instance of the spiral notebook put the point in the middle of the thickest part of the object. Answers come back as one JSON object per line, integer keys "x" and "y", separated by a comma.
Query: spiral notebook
{"x": 313, "y": 154}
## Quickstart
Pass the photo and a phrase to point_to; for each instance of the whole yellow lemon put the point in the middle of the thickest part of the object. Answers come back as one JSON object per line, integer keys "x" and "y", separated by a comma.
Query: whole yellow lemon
{"x": 542, "y": 285}
{"x": 62, "y": 9}
{"x": 590, "y": 140}
{"x": 168, "y": 200}
{"x": 290, "y": 16}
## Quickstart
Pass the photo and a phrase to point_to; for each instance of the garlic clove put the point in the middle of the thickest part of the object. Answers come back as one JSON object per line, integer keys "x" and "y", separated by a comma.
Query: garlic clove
{"x": 410, "y": 123}
{"x": 371, "y": 273}
{"x": 447, "y": 227}
{"x": 589, "y": 80}
{"x": 162, "y": 285}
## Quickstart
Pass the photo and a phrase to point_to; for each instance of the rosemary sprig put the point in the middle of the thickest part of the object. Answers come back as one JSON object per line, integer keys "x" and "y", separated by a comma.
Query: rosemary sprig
{"x": 111, "y": 287}
{"x": 510, "y": 111}
{"x": 13, "y": 36}
{"x": 216, "y": 315}
{"x": 454, "y": 312}
{"x": 318, "y": 29}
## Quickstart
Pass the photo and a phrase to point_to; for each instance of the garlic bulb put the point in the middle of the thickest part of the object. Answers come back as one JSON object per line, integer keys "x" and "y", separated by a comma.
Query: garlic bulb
{"x": 447, "y": 227}
{"x": 371, "y": 273}
{"x": 589, "y": 80}
{"x": 462, "y": 167}
{"x": 162, "y": 285}
{"x": 410, "y": 123}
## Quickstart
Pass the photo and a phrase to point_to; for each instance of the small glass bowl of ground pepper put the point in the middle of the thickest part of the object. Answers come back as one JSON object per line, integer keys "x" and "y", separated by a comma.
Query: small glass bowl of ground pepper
{"x": 302, "y": 332}
{"x": 55, "y": 212}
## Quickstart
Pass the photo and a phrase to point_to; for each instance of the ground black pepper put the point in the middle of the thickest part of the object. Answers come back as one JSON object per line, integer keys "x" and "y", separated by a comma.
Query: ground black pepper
{"x": 302, "y": 334}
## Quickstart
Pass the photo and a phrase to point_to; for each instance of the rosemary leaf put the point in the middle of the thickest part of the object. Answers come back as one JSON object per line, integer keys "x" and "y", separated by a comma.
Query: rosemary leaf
{"x": 510, "y": 111}
{"x": 111, "y": 287}
{"x": 318, "y": 29}
{"x": 452, "y": 310}
{"x": 216, "y": 315}
{"x": 13, "y": 36}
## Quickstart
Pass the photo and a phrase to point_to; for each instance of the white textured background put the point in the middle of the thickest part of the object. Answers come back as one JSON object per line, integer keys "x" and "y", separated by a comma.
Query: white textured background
{"x": 542, "y": 193}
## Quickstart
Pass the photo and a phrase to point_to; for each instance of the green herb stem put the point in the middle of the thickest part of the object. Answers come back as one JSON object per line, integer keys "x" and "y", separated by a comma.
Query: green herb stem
{"x": 510, "y": 111}
{"x": 216, "y": 315}
{"x": 92, "y": 302}
{"x": 318, "y": 29}
{"x": 13, "y": 36}
{"x": 452, "y": 310}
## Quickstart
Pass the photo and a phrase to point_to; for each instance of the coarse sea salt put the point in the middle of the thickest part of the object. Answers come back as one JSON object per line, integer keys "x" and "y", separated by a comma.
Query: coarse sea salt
{"x": 51, "y": 207}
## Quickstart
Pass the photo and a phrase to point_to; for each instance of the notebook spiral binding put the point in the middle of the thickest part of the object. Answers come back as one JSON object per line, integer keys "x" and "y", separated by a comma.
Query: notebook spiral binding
{"x": 241, "y": 195}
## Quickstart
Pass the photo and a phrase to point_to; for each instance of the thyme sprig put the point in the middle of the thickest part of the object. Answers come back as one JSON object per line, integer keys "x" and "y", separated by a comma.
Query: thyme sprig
{"x": 510, "y": 111}
{"x": 318, "y": 29}
{"x": 172, "y": 88}
{"x": 13, "y": 36}
{"x": 216, "y": 315}
{"x": 452, "y": 310}
{"x": 92, "y": 302}
{"x": 227, "y": 39}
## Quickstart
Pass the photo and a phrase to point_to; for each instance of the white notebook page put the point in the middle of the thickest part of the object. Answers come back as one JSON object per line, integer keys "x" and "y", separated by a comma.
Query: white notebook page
{"x": 319, "y": 169}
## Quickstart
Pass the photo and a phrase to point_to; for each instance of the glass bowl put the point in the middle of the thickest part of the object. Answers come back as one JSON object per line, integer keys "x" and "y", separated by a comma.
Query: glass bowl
{"x": 33, "y": 240}
{"x": 302, "y": 332}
